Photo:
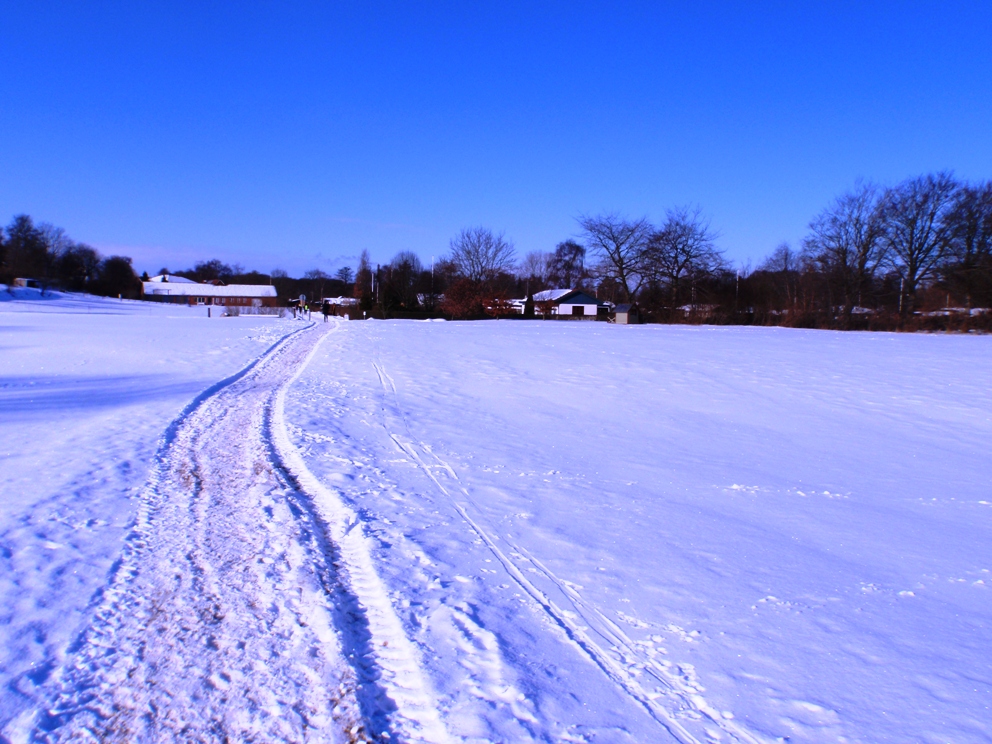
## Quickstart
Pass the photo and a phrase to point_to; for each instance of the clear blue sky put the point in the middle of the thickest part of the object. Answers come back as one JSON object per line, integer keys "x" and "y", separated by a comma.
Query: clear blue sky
{"x": 293, "y": 135}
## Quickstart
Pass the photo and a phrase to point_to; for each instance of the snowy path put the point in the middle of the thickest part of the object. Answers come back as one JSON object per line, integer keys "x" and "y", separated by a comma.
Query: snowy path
{"x": 245, "y": 606}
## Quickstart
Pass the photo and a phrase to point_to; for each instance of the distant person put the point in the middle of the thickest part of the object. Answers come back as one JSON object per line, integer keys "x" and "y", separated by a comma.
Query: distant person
{"x": 325, "y": 308}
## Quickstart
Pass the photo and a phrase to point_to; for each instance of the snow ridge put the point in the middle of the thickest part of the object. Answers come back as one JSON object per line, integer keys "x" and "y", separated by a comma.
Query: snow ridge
{"x": 416, "y": 717}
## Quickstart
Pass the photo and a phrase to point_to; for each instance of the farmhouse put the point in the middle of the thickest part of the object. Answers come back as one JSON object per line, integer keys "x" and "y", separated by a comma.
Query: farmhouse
{"x": 166, "y": 288}
{"x": 566, "y": 303}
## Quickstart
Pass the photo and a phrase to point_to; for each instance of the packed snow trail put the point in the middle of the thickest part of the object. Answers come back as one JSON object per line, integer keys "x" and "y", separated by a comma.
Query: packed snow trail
{"x": 245, "y": 606}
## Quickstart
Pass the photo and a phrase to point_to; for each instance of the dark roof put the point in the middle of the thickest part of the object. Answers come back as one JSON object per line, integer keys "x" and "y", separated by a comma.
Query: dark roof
{"x": 626, "y": 308}
{"x": 577, "y": 297}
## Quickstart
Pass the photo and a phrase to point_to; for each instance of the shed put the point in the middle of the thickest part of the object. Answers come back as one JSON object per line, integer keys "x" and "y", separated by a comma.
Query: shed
{"x": 628, "y": 314}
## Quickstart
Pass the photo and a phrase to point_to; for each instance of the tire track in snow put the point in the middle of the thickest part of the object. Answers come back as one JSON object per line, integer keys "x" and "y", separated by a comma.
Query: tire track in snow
{"x": 679, "y": 696}
{"x": 244, "y": 606}
{"x": 487, "y": 675}
{"x": 397, "y": 659}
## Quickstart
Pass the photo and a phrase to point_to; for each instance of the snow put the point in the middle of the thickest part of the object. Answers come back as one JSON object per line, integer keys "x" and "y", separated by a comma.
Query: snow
{"x": 209, "y": 290}
{"x": 87, "y": 388}
{"x": 551, "y": 294}
{"x": 171, "y": 279}
{"x": 489, "y": 531}
{"x": 609, "y": 533}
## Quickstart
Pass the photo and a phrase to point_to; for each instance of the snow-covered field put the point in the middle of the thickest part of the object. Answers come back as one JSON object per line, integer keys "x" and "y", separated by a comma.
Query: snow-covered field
{"x": 87, "y": 389}
{"x": 497, "y": 531}
{"x": 603, "y": 532}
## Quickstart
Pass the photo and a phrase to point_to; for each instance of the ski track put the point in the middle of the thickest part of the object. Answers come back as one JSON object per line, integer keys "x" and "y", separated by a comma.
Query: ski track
{"x": 245, "y": 606}
{"x": 674, "y": 699}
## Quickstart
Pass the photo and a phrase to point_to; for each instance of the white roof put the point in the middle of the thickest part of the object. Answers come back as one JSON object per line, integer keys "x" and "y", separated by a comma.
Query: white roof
{"x": 192, "y": 289}
{"x": 171, "y": 279}
{"x": 550, "y": 294}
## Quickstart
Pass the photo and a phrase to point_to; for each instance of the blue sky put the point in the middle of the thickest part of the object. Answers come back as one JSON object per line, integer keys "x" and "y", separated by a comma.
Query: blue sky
{"x": 294, "y": 135}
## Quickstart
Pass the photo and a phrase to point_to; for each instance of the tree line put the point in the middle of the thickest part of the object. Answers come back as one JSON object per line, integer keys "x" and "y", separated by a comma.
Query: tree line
{"x": 47, "y": 254}
{"x": 914, "y": 255}
{"x": 918, "y": 254}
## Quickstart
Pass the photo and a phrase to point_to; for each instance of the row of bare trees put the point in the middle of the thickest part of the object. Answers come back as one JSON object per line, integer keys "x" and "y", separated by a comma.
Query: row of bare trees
{"x": 465, "y": 283}
{"x": 924, "y": 244}
{"x": 876, "y": 249}
{"x": 921, "y": 245}
{"x": 623, "y": 259}
{"x": 619, "y": 259}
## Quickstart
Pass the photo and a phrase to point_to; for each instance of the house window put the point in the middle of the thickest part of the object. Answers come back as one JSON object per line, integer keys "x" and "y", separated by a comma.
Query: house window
{"x": 201, "y": 300}
{"x": 578, "y": 310}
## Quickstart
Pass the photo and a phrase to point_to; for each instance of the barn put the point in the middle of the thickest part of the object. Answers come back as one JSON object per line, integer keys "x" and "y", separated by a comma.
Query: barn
{"x": 167, "y": 288}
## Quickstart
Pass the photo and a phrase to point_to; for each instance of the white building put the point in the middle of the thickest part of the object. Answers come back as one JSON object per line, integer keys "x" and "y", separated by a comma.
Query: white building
{"x": 166, "y": 288}
{"x": 572, "y": 303}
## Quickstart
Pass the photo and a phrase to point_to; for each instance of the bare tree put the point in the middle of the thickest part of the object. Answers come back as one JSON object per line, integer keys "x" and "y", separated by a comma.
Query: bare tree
{"x": 481, "y": 255}
{"x": 345, "y": 274}
{"x": 567, "y": 265}
{"x": 409, "y": 259}
{"x": 846, "y": 241}
{"x": 619, "y": 244}
{"x": 683, "y": 248}
{"x": 76, "y": 266}
{"x": 783, "y": 258}
{"x": 781, "y": 270}
{"x": 916, "y": 229}
{"x": 533, "y": 270}
{"x": 56, "y": 238}
{"x": 970, "y": 229}
{"x": 317, "y": 278}
{"x": 399, "y": 282}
